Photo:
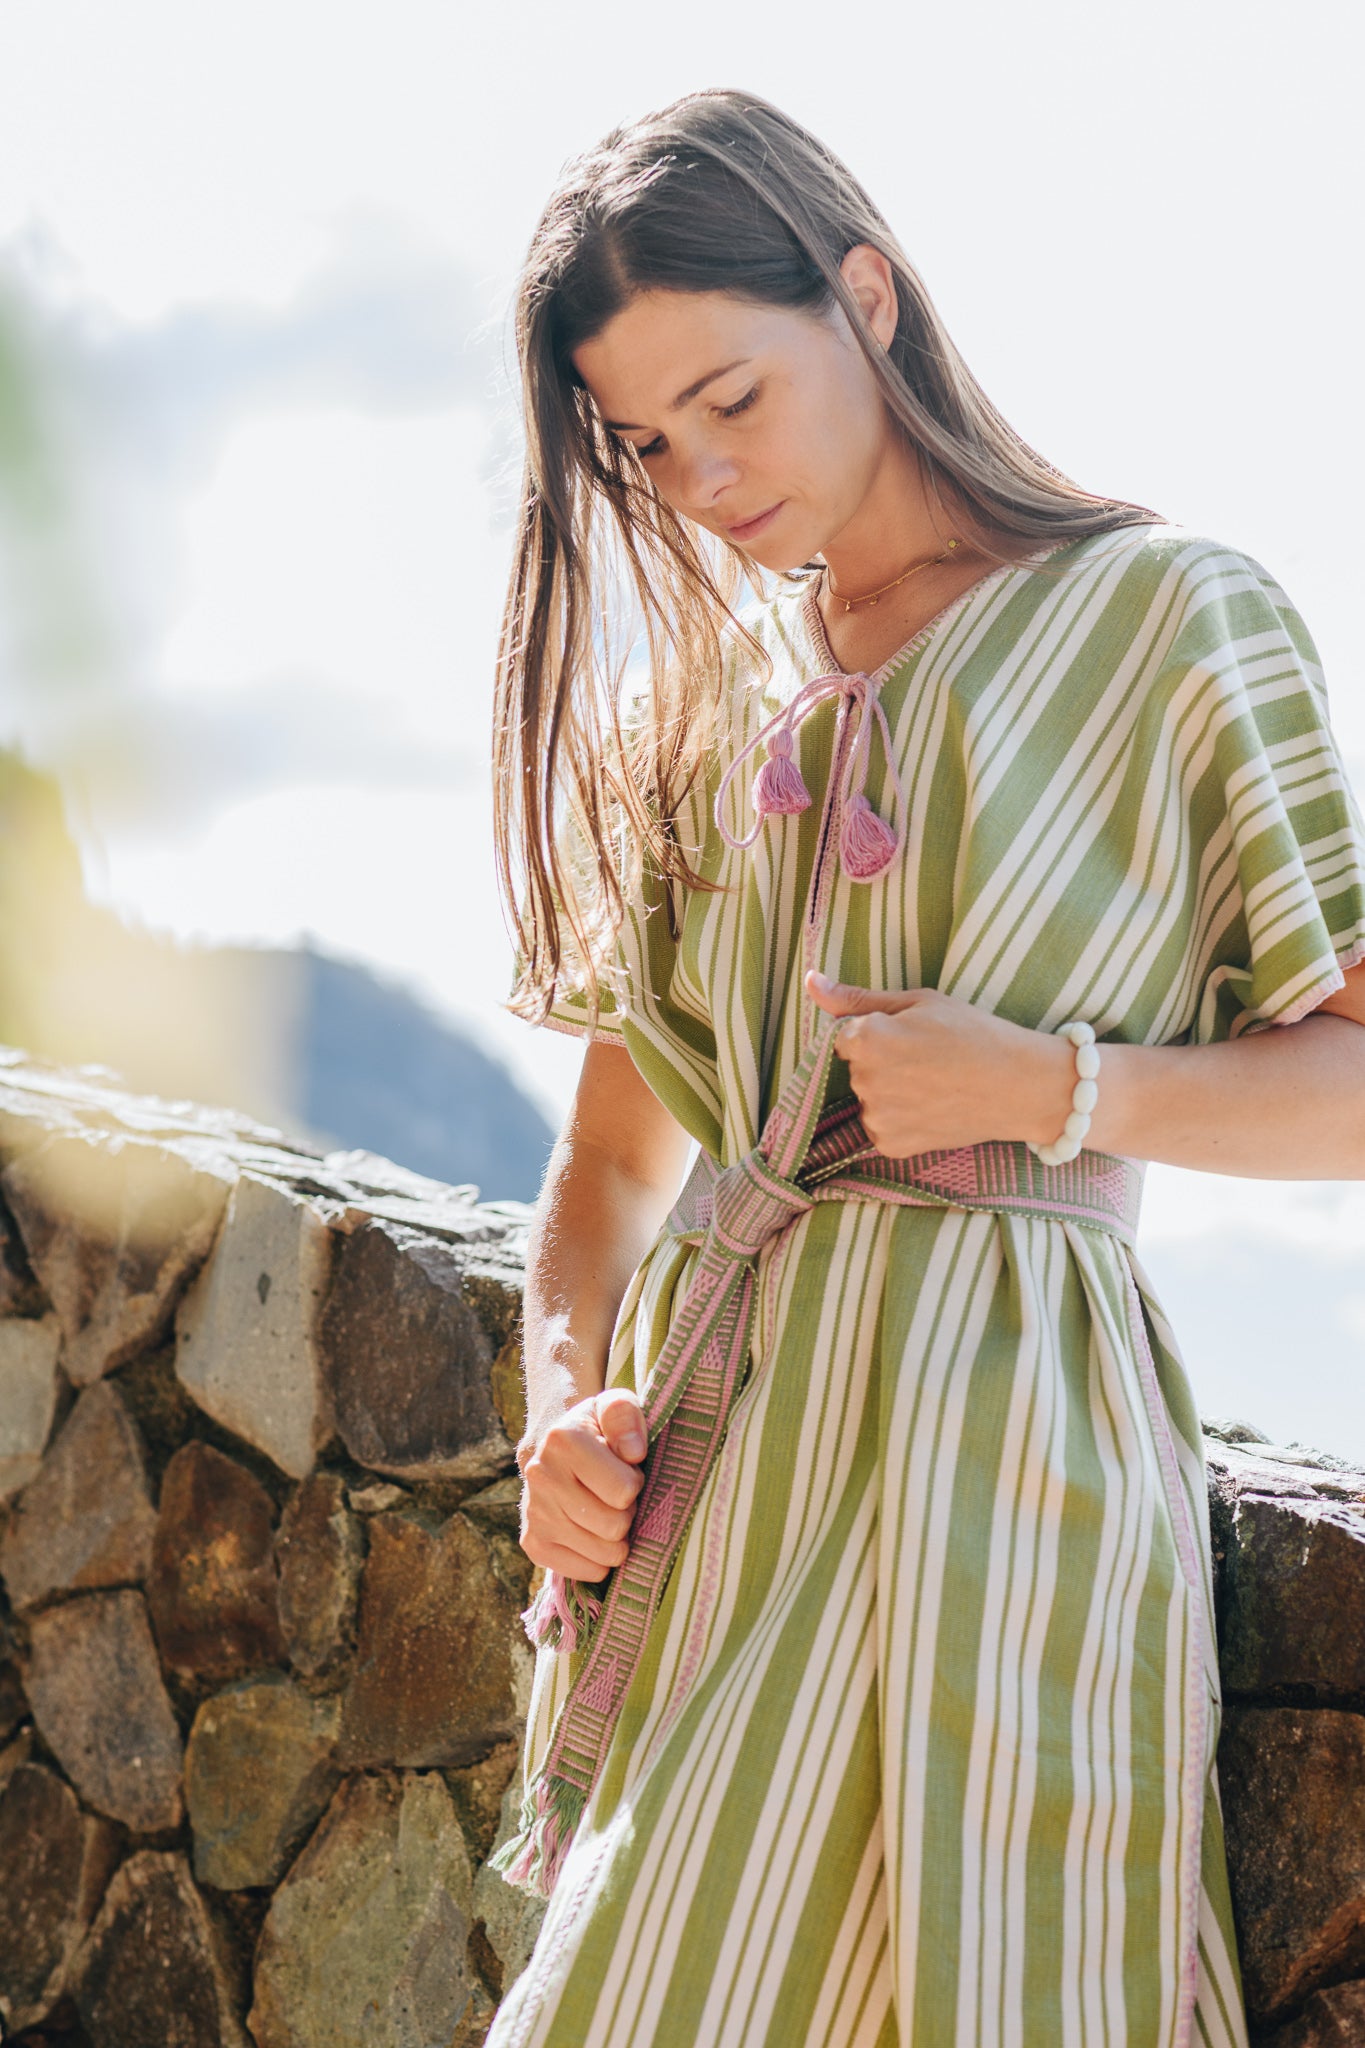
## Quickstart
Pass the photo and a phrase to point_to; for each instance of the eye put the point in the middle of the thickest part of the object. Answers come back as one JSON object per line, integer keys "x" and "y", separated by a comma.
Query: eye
{"x": 654, "y": 447}
{"x": 729, "y": 412}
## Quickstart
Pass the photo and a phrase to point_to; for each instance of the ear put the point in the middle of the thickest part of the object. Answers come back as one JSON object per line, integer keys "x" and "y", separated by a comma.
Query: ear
{"x": 872, "y": 282}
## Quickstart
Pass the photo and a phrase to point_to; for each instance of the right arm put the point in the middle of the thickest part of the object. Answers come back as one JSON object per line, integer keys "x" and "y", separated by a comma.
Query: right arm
{"x": 613, "y": 1176}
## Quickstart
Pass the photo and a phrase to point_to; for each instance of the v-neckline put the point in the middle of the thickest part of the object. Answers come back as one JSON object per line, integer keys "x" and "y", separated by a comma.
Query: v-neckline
{"x": 819, "y": 638}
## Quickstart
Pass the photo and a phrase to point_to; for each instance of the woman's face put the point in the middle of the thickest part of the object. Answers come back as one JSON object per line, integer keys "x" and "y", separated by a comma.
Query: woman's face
{"x": 758, "y": 423}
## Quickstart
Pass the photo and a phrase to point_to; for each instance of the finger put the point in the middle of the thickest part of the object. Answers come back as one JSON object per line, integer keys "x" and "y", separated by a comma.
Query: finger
{"x": 622, "y": 1422}
{"x": 844, "y": 999}
{"x": 846, "y": 1038}
{"x": 561, "y": 1558}
{"x": 586, "y": 1511}
{"x": 583, "y": 1455}
{"x": 570, "y": 1525}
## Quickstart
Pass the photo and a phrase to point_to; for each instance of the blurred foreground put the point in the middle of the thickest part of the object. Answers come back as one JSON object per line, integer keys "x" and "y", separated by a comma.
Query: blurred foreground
{"x": 322, "y": 1048}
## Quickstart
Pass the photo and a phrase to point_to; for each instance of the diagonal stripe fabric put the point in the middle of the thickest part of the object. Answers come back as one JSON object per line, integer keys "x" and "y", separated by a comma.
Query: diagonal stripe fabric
{"x": 920, "y": 1747}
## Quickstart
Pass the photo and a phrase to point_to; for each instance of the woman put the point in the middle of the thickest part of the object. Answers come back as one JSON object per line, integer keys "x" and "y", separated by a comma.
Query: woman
{"x": 878, "y": 1700}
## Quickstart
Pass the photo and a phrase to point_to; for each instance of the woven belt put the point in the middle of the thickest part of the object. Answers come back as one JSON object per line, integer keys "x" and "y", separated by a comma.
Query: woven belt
{"x": 806, "y": 1154}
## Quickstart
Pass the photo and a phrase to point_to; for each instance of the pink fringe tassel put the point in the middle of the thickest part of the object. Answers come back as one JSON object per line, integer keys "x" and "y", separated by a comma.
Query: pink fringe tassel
{"x": 778, "y": 786}
{"x": 559, "y": 1610}
{"x": 867, "y": 844}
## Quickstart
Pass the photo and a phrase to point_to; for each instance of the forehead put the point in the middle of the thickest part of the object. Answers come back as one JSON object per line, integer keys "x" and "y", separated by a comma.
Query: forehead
{"x": 662, "y": 342}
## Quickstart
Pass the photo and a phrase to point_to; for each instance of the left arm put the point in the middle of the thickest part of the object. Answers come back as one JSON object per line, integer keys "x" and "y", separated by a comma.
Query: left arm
{"x": 1283, "y": 1103}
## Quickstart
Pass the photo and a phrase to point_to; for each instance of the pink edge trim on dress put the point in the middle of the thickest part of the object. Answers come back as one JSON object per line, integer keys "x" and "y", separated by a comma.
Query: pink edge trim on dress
{"x": 1354, "y": 956}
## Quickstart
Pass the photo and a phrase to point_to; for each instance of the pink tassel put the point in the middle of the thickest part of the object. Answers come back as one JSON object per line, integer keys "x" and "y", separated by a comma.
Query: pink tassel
{"x": 554, "y": 1617}
{"x": 867, "y": 843}
{"x": 778, "y": 786}
{"x": 520, "y": 1871}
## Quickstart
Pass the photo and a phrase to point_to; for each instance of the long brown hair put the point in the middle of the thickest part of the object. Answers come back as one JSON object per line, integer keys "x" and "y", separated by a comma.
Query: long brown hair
{"x": 718, "y": 192}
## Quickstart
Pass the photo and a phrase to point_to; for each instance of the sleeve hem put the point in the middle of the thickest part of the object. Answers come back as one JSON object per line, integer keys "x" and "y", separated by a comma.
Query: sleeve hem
{"x": 1326, "y": 985}
{"x": 584, "y": 1030}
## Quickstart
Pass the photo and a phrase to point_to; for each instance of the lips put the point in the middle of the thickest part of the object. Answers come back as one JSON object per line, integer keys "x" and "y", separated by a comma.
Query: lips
{"x": 749, "y": 529}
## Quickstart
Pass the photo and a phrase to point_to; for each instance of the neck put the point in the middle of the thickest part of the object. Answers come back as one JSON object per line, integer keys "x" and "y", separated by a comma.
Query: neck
{"x": 893, "y": 527}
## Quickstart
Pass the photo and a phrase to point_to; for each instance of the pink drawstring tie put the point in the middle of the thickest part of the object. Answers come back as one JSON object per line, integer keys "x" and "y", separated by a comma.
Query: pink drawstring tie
{"x": 867, "y": 844}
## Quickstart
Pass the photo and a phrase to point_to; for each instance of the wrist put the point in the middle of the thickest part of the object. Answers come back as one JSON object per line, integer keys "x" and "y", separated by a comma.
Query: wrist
{"x": 1054, "y": 1080}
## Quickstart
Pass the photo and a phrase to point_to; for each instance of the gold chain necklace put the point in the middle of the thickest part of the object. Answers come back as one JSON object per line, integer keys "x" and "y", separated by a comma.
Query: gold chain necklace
{"x": 871, "y": 596}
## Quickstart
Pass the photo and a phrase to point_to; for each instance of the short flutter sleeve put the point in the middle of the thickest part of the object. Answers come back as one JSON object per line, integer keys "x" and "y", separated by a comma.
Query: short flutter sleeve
{"x": 1276, "y": 838}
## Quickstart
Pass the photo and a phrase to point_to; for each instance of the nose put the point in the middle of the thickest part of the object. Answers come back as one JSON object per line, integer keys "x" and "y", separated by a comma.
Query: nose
{"x": 702, "y": 475}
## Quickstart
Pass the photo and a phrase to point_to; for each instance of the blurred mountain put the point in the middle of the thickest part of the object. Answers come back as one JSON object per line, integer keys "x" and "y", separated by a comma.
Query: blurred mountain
{"x": 324, "y": 1048}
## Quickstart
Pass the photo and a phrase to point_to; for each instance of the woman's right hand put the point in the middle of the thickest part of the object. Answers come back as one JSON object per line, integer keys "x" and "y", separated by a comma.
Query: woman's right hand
{"x": 580, "y": 1479}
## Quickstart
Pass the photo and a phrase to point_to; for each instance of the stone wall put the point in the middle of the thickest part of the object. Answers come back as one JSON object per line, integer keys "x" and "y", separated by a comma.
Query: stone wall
{"x": 262, "y": 1680}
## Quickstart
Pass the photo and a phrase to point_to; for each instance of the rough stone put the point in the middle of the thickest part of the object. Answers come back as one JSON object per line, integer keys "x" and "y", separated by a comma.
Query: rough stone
{"x": 213, "y": 1591}
{"x": 497, "y": 1508}
{"x": 258, "y": 1772}
{"x": 1294, "y": 1597}
{"x": 54, "y": 1864}
{"x": 102, "y": 1709}
{"x": 28, "y": 1397}
{"x": 409, "y": 1359}
{"x": 246, "y": 1344}
{"x": 320, "y": 1551}
{"x": 157, "y": 1966}
{"x": 87, "y": 1519}
{"x": 511, "y": 1917}
{"x": 114, "y": 1228}
{"x": 441, "y": 1672}
{"x": 508, "y": 1382}
{"x": 376, "y": 1496}
{"x": 20, "y": 1294}
{"x": 13, "y": 1705}
{"x": 1331, "y": 2019}
{"x": 477, "y": 1790}
{"x": 20, "y": 1751}
{"x": 366, "y": 1942}
{"x": 1293, "y": 1784}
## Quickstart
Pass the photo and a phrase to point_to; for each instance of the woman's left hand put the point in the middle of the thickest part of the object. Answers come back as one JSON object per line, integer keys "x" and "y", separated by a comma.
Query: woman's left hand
{"x": 932, "y": 1072}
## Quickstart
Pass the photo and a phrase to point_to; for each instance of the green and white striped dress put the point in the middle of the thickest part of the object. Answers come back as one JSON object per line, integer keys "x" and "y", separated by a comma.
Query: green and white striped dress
{"x": 922, "y": 1748}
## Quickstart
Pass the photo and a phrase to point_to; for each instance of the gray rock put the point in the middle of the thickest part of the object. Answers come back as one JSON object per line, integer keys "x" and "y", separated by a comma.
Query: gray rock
{"x": 497, "y": 1508}
{"x": 366, "y": 1942}
{"x": 376, "y": 1497}
{"x": 101, "y": 1707}
{"x": 258, "y": 1772}
{"x": 54, "y": 1864}
{"x": 87, "y": 1519}
{"x": 477, "y": 1790}
{"x": 1294, "y": 1597}
{"x": 1282, "y": 1469}
{"x": 1293, "y": 1786}
{"x": 320, "y": 1551}
{"x": 212, "y": 1590}
{"x": 246, "y": 1344}
{"x": 409, "y": 1358}
{"x": 28, "y": 1397}
{"x": 114, "y": 1228}
{"x": 511, "y": 1917}
{"x": 1331, "y": 2019}
{"x": 157, "y": 1966}
{"x": 442, "y": 1670}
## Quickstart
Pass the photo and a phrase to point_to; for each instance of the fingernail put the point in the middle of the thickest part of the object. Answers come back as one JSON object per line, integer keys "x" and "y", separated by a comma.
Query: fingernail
{"x": 633, "y": 1444}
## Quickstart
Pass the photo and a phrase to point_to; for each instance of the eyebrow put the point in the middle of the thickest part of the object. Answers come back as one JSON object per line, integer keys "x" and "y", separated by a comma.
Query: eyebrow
{"x": 683, "y": 398}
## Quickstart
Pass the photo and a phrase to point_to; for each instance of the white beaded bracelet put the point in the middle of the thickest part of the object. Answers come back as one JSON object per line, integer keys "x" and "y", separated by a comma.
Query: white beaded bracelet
{"x": 1084, "y": 1096}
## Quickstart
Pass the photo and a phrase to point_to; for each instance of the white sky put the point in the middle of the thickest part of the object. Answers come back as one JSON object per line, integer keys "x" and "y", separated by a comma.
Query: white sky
{"x": 267, "y": 251}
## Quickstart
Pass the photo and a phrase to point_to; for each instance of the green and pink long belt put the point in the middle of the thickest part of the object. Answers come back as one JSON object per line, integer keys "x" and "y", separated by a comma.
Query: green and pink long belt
{"x": 807, "y": 1153}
